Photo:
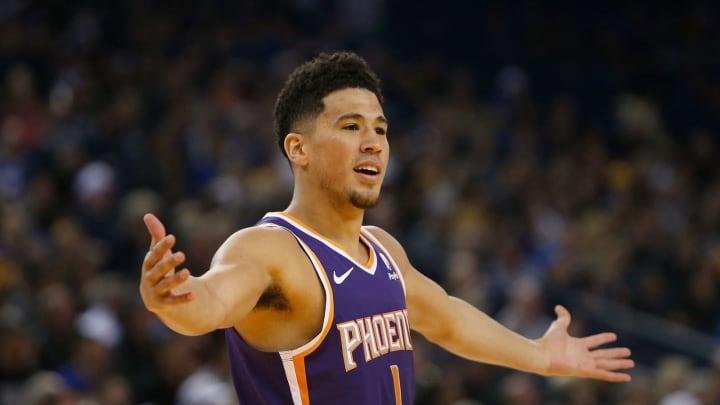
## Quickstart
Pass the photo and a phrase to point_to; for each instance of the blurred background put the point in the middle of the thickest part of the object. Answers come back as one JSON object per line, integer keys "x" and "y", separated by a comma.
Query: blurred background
{"x": 541, "y": 155}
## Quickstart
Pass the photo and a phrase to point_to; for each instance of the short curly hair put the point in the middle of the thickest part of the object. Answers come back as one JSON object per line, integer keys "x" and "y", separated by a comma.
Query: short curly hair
{"x": 301, "y": 96}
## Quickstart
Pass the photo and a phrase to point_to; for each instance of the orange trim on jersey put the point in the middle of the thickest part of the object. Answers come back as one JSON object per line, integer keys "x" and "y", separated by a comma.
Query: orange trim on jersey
{"x": 371, "y": 251}
{"x": 299, "y": 358}
{"x": 299, "y": 363}
{"x": 330, "y": 241}
{"x": 380, "y": 246}
{"x": 328, "y": 290}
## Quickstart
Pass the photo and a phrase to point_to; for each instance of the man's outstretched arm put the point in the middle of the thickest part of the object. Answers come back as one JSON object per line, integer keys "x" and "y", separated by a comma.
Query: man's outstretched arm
{"x": 468, "y": 332}
{"x": 196, "y": 305}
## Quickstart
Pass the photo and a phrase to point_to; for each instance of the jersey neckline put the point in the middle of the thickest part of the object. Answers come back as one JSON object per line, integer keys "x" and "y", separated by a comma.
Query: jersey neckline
{"x": 369, "y": 267}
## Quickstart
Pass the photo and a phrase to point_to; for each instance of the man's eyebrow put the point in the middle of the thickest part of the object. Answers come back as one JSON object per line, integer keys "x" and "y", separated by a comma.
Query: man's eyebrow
{"x": 357, "y": 116}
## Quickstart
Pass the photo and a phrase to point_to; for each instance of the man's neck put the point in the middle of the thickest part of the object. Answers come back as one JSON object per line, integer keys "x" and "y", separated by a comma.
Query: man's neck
{"x": 342, "y": 227}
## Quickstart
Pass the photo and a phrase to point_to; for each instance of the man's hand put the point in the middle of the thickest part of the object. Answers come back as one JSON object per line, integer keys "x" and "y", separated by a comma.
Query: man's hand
{"x": 580, "y": 357}
{"x": 159, "y": 278}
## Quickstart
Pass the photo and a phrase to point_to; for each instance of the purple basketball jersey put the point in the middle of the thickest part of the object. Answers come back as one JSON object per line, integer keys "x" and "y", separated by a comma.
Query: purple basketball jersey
{"x": 363, "y": 354}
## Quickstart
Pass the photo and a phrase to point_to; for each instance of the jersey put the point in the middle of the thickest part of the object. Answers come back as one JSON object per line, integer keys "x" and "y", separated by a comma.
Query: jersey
{"x": 363, "y": 353}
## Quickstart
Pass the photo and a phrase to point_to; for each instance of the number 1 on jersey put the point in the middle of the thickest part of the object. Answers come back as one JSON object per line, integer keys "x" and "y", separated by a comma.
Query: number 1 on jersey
{"x": 395, "y": 371}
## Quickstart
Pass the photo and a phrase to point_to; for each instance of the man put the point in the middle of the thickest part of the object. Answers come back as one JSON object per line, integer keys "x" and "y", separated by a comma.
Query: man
{"x": 316, "y": 307}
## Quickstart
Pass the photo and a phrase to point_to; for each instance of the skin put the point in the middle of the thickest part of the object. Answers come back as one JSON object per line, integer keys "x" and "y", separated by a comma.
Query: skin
{"x": 330, "y": 196}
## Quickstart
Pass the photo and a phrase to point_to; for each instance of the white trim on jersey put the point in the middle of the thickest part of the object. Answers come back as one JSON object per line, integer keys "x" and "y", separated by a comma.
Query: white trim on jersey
{"x": 291, "y": 377}
{"x": 288, "y": 356}
{"x": 313, "y": 234}
{"x": 369, "y": 235}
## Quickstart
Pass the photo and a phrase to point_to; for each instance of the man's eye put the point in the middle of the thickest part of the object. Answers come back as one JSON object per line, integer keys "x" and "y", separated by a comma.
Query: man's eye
{"x": 380, "y": 131}
{"x": 351, "y": 127}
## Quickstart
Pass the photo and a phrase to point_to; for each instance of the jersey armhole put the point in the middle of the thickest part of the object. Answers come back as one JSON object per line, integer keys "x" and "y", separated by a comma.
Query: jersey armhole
{"x": 329, "y": 311}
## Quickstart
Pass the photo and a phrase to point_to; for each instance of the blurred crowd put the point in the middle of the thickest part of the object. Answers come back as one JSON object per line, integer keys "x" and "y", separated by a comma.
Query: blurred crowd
{"x": 539, "y": 156}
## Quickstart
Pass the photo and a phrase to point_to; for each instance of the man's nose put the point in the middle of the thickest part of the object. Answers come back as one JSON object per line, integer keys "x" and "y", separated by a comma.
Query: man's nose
{"x": 372, "y": 142}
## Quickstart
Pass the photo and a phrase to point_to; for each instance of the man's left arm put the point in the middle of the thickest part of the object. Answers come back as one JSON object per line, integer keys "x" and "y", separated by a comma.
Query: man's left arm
{"x": 466, "y": 331}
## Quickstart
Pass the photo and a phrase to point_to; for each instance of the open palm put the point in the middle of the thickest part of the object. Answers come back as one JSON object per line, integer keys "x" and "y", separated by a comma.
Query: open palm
{"x": 582, "y": 357}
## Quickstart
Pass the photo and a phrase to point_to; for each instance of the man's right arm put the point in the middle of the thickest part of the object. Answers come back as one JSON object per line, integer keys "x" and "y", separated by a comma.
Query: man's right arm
{"x": 224, "y": 295}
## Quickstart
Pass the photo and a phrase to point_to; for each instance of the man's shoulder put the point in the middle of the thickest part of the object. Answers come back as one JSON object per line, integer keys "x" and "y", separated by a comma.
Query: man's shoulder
{"x": 380, "y": 234}
{"x": 263, "y": 243}
{"x": 260, "y": 235}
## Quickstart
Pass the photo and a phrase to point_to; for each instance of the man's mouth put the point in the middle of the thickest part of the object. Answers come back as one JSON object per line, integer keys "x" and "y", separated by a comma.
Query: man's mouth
{"x": 368, "y": 170}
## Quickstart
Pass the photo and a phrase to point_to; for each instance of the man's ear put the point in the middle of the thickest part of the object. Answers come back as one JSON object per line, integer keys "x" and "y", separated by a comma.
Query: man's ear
{"x": 295, "y": 148}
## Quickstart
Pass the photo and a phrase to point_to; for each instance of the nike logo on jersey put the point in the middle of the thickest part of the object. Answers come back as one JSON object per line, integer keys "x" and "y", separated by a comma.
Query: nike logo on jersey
{"x": 339, "y": 279}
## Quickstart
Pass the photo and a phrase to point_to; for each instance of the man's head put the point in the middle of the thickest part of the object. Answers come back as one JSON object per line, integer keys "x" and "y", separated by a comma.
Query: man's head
{"x": 301, "y": 98}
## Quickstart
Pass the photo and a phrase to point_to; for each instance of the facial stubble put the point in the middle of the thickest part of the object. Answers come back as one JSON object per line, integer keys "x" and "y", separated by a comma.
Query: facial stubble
{"x": 363, "y": 201}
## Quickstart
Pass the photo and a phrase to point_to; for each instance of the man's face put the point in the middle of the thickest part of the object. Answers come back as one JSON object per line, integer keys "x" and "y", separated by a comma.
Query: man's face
{"x": 349, "y": 148}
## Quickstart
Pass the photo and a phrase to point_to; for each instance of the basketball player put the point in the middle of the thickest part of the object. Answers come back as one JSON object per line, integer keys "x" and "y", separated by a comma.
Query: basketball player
{"x": 316, "y": 307}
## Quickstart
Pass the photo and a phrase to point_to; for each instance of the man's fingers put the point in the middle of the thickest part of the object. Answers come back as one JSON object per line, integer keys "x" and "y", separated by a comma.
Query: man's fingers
{"x": 162, "y": 268}
{"x": 164, "y": 289}
{"x": 563, "y": 316}
{"x": 171, "y": 298}
{"x": 159, "y": 276}
{"x": 163, "y": 294}
{"x": 613, "y": 359}
{"x": 561, "y": 311}
{"x": 614, "y": 364}
{"x": 158, "y": 251}
{"x": 613, "y": 353}
{"x": 610, "y": 376}
{"x": 598, "y": 340}
{"x": 167, "y": 284}
{"x": 155, "y": 227}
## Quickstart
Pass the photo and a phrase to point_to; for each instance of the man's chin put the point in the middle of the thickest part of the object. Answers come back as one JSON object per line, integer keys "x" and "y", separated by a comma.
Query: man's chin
{"x": 364, "y": 201}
